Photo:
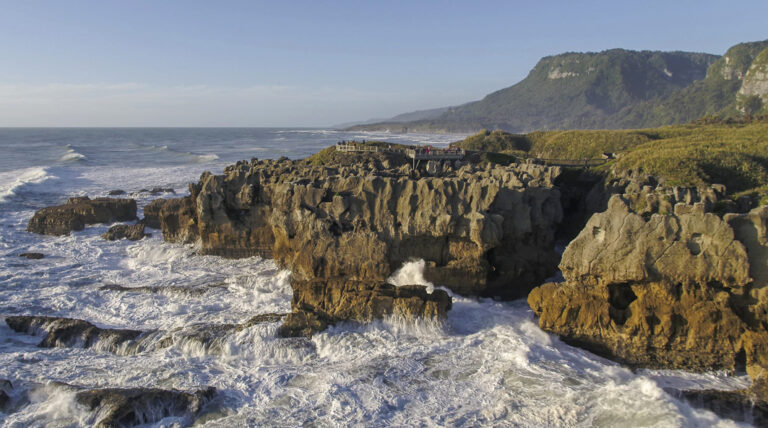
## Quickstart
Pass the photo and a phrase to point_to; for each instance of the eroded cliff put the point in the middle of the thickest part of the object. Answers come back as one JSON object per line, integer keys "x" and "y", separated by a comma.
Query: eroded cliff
{"x": 682, "y": 289}
{"x": 482, "y": 229}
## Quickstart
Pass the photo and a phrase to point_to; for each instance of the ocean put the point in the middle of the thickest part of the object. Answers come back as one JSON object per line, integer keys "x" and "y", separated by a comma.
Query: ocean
{"x": 488, "y": 364}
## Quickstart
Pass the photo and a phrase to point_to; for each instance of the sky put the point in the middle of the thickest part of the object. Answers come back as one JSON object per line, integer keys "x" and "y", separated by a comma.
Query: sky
{"x": 314, "y": 63}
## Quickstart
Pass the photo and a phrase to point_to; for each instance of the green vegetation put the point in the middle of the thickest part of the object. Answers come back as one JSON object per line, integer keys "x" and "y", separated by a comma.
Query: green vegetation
{"x": 735, "y": 155}
{"x": 614, "y": 89}
{"x": 496, "y": 141}
{"x": 498, "y": 158}
{"x": 733, "y": 152}
{"x": 584, "y": 144}
{"x": 323, "y": 157}
{"x": 330, "y": 154}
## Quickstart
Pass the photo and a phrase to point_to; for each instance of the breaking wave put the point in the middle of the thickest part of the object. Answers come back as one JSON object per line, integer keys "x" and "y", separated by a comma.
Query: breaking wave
{"x": 13, "y": 182}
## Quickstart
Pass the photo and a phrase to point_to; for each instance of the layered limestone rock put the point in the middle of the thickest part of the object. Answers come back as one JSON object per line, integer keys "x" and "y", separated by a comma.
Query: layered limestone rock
{"x": 481, "y": 229}
{"x": 755, "y": 82}
{"x": 78, "y": 212}
{"x": 685, "y": 289}
{"x": 318, "y": 303}
{"x": 132, "y": 232}
{"x": 345, "y": 226}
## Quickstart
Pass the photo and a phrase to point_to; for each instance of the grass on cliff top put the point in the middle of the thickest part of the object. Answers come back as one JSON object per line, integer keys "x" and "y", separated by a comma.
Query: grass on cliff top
{"x": 729, "y": 152}
{"x": 329, "y": 154}
{"x": 735, "y": 155}
{"x": 494, "y": 141}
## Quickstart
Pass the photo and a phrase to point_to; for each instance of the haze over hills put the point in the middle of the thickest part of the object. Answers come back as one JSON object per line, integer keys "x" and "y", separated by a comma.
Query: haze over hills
{"x": 612, "y": 89}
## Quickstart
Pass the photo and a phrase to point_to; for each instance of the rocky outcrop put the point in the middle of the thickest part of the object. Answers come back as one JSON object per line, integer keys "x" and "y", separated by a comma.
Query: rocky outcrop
{"x": 318, "y": 303}
{"x": 5, "y": 388}
{"x": 75, "y": 333}
{"x": 685, "y": 289}
{"x": 345, "y": 226}
{"x": 123, "y": 407}
{"x": 755, "y": 81}
{"x": 481, "y": 229}
{"x": 750, "y": 405}
{"x": 78, "y": 212}
{"x": 32, "y": 256}
{"x": 68, "y": 332}
{"x": 131, "y": 232}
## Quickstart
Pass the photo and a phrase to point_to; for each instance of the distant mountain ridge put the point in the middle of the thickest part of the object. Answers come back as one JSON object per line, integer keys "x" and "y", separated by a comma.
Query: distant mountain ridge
{"x": 612, "y": 89}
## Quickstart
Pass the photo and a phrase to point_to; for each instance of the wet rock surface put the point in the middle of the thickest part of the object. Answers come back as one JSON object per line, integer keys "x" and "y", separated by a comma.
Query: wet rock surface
{"x": 741, "y": 405}
{"x": 167, "y": 290}
{"x": 78, "y": 212}
{"x": 684, "y": 290}
{"x": 32, "y": 256}
{"x": 132, "y": 232}
{"x": 316, "y": 304}
{"x": 5, "y": 388}
{"x": 127, "y": 407}
{"x": 68, "y": 332}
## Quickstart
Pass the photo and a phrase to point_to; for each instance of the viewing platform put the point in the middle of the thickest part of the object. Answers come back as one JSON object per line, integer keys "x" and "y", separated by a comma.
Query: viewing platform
{"x": 418, "y": 154}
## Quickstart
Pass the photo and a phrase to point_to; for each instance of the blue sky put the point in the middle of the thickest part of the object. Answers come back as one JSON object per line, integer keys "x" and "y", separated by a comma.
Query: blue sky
{"x": 313, "y": 63}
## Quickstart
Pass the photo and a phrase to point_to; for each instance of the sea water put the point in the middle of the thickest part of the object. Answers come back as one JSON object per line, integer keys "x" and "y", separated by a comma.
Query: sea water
{"x": 488, "y": 364}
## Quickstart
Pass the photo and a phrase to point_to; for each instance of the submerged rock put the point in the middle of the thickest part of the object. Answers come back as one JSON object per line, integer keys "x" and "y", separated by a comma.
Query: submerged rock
{"x": 167, "y": 290}
{"x": 74, "y": 333}
{"x": 68, "y": 332}
{"x": 319, "y": 303}
{"x": 133, "y": 232}
{"x": 126, "y": 407}
{"x": 683, "y": 290}
{"x": 5, "y": 388}
{"x": 740, "y": 405}
{"x": 81, "y": 211}
{"x": 116, "y": 192}
{"x": 32, "y": 256}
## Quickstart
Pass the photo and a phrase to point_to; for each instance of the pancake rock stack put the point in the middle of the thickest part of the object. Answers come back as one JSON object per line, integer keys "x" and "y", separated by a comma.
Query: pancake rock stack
{"x": 685, "y": 289}
{"x": 344, "y": 228}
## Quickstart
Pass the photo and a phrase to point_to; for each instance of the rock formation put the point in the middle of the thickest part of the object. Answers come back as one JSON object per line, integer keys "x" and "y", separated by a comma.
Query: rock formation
{"x": 68, "y": 332}
{"x": 80, "y": 211}
{"x": 120, "y": 407}
{"x": 75, "y": 333}
{"x": 318, "y": 303}
{"x": 750, "y": 405}
{"x": 5, "y": 388}
{"x": 683, "y": 289}
{"x": 32, "y": 256}
{"x": 346, "y": 226}
{"x": 481, "y": 229}
{"x": 132, "y": 232}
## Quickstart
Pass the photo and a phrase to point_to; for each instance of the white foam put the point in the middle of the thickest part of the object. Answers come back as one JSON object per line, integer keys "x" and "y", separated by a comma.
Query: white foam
{"x": 206, "y": 158}
{"x": 13, "y": 181}
{"x": 72, "y": 156}
{"x": 487, "y": 364}
{"x": 411, "y": 273}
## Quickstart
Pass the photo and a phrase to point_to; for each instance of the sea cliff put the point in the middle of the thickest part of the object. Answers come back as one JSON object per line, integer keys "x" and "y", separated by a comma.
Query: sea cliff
{"x": 482, "y": 229}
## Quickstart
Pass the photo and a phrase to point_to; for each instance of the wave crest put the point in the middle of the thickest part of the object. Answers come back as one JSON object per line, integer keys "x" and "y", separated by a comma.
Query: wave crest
{"x": 13, "y": 181}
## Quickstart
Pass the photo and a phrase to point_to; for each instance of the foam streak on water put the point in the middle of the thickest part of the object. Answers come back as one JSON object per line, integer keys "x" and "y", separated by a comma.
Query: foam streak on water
{"x": 487, "y": 364}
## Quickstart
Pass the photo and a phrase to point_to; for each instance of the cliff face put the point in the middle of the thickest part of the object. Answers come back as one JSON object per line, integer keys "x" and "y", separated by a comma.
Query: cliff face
{"x": 480, "y": 230}
{"x": 677, "y": 290}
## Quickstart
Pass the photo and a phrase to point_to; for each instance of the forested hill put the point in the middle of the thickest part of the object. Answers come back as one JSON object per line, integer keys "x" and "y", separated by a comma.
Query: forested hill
{"x": 612, "y": 89}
